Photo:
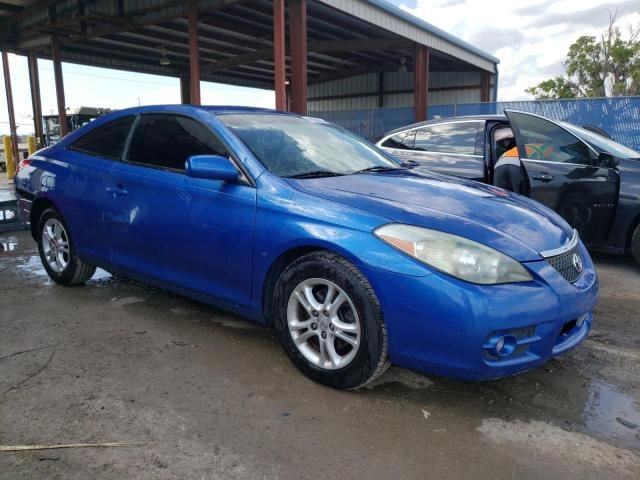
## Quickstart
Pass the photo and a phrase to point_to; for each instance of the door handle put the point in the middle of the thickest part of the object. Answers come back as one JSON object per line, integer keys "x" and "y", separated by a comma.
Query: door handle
{"x": 117, "y": 190}
{"x": 543, "y": 177}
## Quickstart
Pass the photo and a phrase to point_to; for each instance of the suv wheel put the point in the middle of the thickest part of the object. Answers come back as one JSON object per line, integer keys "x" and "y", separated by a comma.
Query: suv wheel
{"x": 329, "y": 321}
{"x": 56, "y": 251}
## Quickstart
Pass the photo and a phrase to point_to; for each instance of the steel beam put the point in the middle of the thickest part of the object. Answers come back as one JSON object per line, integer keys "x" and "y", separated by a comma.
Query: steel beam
{"x": 324, "y": 46}
{"x": 279, "y": 60}
{"x": 485, "y": 89}
{"x": 298, "y": 48}
{"x": 36, "y": 101}
{"x": 57, "y": 75}
{"x": 185, "y": 88}
{"x": 421, "y": 82}
{"x": 194, "y": 57}
{"x": 12, "y": 114}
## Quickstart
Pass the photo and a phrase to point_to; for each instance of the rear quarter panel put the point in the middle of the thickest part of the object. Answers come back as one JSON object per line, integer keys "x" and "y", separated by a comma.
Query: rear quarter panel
{"x": 76, "y": 185}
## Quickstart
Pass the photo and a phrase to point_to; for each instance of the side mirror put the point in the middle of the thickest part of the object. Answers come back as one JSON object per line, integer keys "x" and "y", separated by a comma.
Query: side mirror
{"x": 212, "y": 167}
{"x": 607, "y": 160}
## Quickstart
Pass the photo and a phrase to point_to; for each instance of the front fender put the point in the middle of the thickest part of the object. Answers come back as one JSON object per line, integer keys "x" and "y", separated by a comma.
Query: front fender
{"x": 289, "y": 220}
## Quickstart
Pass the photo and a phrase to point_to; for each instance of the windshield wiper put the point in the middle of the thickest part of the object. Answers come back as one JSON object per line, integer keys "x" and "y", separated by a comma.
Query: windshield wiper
{"x": 377, "y": 168}
{"x": 316, "y": 174}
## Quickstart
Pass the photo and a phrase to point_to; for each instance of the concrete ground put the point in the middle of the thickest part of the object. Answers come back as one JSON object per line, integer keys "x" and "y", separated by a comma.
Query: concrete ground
{"x": 215, "y": 397}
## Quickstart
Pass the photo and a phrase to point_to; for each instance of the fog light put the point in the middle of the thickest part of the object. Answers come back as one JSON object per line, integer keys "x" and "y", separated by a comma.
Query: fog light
{"x": 504, "y": 345}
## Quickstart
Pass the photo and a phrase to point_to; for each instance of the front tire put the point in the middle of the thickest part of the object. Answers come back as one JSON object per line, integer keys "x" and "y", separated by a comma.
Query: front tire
{"x": 329, "y": 321}
{"x": 57, "y": 253}
{"x": 635, "y": 245}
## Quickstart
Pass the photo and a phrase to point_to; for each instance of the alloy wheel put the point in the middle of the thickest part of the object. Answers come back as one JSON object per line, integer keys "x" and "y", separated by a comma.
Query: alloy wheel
{"x": 323, "y": 323}
{"x": 55, "y": 244}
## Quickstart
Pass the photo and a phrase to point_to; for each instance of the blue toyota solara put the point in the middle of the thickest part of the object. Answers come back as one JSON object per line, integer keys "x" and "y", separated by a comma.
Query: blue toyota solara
{"x": 355, "y": 260}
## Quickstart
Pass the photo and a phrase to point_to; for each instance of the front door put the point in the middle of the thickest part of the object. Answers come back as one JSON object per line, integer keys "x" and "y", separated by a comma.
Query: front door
{"x": 193, "y": 233}
{"x": 565, "y": 175}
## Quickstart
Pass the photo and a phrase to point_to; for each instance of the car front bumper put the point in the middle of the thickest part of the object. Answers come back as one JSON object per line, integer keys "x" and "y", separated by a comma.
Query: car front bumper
{"x": 438, "y": 324}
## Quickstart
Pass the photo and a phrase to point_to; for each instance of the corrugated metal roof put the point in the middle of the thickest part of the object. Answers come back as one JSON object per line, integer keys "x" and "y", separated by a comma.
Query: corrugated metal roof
{"x": 346, "y": 38}
{"x": 399, "y": 12}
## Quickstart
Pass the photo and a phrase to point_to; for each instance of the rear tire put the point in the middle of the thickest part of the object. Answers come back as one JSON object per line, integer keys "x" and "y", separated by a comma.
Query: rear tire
{"x": 57, "y": 252}
{"x": 329, "y": 321}
{"x": 635, "y": 245}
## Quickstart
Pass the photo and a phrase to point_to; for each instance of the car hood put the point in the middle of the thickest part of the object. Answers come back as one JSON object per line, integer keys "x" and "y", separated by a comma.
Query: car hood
{"x": 511, "y": 224}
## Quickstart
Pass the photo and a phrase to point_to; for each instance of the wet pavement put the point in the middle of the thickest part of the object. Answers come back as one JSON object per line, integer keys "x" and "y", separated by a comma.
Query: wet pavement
{"x": 7, "y": 191}
{"x": 215, "y": 397}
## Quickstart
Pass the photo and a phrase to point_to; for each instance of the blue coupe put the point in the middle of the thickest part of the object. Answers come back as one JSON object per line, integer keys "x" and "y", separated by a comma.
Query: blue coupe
{"x": 356, "y": 260}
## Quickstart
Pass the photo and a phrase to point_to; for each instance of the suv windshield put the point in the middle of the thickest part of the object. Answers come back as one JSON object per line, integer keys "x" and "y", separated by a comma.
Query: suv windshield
{"x": 303, "y": 147}
{"x": 603, "y": 144}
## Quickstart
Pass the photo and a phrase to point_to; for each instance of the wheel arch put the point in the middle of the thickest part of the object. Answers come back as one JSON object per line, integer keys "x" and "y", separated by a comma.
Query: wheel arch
{"x": 632, "y": 228}
{"x": 39, "y": 205}
{"x": 281, "y": 262}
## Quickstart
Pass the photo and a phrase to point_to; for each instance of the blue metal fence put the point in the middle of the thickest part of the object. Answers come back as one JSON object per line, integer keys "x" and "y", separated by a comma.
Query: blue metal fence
{"x": 619, "y": 116}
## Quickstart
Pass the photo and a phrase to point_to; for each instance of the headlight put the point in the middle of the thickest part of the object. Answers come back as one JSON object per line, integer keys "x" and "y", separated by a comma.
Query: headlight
{"x": 457, "y": 256}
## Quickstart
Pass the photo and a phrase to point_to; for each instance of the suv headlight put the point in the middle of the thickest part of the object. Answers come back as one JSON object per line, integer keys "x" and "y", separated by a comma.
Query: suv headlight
{"x": 457, "y": 256}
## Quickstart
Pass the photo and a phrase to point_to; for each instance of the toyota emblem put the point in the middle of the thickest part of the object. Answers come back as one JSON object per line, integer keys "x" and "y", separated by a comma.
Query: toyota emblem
{"x": 577, "y": 262}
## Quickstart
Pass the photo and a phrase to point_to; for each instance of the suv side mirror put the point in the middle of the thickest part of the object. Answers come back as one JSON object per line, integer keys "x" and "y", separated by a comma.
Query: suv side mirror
{"x": 607, "y": 160}
{"x": 212, "y": 167}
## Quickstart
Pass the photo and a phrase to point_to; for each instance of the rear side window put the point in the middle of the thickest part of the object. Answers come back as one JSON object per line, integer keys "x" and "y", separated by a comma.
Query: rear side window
{"x": 106, "y": 141}
{"x": 457, "y": 138}
{"x": 166, "y": 141}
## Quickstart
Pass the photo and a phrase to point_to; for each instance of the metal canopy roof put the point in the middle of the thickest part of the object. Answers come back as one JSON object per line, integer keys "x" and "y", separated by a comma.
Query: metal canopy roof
{"x": 345, "y": 37}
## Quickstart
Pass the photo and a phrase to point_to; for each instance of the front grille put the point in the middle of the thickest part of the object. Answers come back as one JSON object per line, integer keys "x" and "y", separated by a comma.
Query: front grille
{"x": 566, "y": 265}
{"x": 523, "y": 332}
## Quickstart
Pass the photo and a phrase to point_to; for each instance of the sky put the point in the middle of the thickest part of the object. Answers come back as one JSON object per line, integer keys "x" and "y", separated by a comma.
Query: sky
{"x": 530, "y": 37}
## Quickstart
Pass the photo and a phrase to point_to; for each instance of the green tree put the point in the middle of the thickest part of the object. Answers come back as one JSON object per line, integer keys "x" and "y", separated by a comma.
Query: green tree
{"x": 597, "y": 67}
{"x": 558, "y": 87}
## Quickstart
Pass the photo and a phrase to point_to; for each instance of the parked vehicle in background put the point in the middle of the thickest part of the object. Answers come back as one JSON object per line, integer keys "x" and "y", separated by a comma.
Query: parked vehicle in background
{"x": 355, "y": 260}
{"x": 76, "y": 118}
{"x": 590, "y": 180}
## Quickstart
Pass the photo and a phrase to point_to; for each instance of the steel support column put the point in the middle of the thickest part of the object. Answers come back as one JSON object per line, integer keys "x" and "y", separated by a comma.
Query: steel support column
{"x": 298, "y": 49}
{"x": 57, "y": 75}
{"x": 36, "y": 101}
{"x": 185, "y": 88}
{"x": 421, "y": 82}
{"x": 279, "y": 66}
{"x": 485, "y": 87}
{"x": 12, "y": 114}
{"x": 194, "y": 57}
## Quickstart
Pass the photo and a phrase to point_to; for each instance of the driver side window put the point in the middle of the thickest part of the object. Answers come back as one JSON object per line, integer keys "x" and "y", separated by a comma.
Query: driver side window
{"x": 166, "y": 141}
{"x": 544, "y": 140}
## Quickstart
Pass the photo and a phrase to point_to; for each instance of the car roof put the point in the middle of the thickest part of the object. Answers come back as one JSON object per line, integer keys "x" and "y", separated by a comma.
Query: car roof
{"x": 215, "y": 109}
{"x": 436, "y": 121}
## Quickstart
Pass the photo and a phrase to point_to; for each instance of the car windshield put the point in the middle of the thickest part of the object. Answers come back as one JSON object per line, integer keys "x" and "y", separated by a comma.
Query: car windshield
{"x": 601, "y": 143}
{"x": 291, "y": 146}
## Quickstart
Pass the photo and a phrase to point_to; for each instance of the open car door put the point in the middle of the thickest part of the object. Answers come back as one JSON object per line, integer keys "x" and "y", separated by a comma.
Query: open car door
{"x": 565, "y": 174}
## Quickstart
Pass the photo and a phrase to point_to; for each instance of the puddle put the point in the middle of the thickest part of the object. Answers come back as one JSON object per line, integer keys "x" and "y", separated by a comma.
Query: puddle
{"x": 8, "y": 244}
{"x": 613, "y": 414}
{"x": 33, "y": 266}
